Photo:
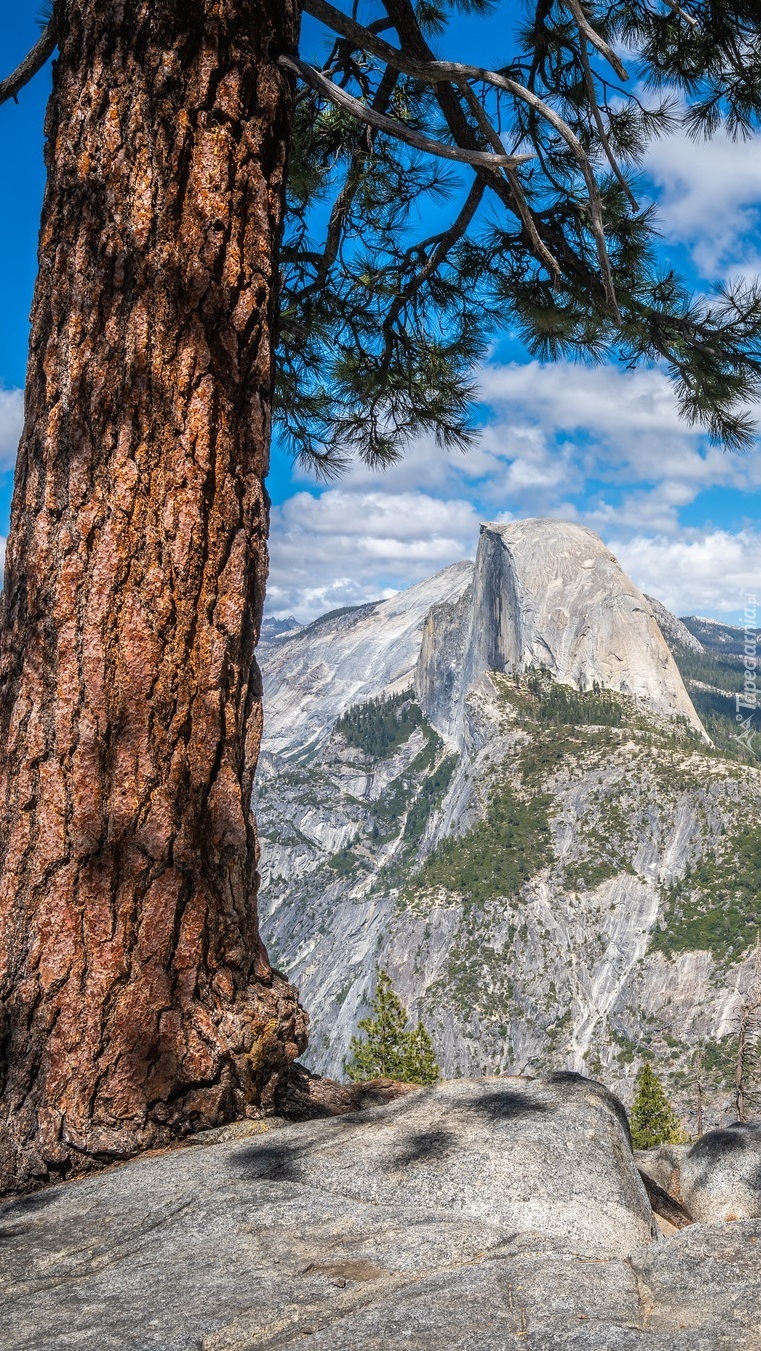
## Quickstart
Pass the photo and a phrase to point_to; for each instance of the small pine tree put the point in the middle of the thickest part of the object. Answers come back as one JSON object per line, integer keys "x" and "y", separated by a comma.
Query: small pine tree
{"x": 653, "y": 1120}
{"x": 420, "y": 1065}
{"x": 387, "y": 1050}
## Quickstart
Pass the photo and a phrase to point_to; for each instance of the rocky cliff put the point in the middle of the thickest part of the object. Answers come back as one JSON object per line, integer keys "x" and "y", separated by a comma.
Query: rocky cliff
{"x": 312, "y": 674}
{"x": 546, "y": 595}
{"x": 556, "y": 867}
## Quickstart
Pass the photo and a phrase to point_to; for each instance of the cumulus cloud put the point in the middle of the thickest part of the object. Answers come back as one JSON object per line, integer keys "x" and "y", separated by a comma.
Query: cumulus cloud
{"x": 602, "y": 446}
{"x": 703, "y": 572}
{"x": 11, "y": 422}
{"x": 709, "y": 196}
{"x": 349, "y": 545}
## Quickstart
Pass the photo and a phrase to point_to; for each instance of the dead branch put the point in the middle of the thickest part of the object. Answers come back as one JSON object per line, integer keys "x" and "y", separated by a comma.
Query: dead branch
{"x": 478, "y": 158}
{"x": 37, "y": 58}
{"x": 664, "y": 1204}
{"x": 594, "y": 39}
{"x": 303, "y": 1096}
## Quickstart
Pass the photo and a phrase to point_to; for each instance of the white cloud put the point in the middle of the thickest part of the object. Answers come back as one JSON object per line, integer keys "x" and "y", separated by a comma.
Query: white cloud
{"x": 11, "y": 422}
{"x": 710, "y": 199}
{"x": 350, "y": 546}
{"x": 702, "y": 572}
{"x": 625, "y": 424}
{"x": 603, "y": 446}
{"x": 607, "y": 400}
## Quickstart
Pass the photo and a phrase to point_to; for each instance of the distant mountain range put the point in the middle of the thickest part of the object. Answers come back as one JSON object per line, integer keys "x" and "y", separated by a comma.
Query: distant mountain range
{"x": 498, "y": 784}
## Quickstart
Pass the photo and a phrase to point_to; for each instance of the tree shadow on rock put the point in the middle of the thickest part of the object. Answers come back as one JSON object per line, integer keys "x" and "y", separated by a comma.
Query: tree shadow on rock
{"x": 272, "y": 1163}
{"x": 19, "y": 1209}
{"x": 424, "y": 1147}
{"x": 716, "y": 1146}
{"x": 503, "y": 1104}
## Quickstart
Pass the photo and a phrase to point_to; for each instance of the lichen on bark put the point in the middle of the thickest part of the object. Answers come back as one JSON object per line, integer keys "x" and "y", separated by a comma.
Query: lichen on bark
{"x": 136, "y": 997}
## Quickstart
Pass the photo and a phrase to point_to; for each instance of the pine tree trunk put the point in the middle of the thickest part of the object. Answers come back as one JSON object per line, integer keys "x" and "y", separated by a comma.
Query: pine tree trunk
{"x": 136, "y": 998}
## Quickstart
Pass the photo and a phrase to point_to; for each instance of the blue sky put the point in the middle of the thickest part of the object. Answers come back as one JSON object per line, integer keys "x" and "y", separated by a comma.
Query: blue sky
{"x": 599, "y": 445}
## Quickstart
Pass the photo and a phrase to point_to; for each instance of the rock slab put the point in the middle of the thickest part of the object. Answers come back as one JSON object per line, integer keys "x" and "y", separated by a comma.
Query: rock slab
{"x": 353, "y": 1233}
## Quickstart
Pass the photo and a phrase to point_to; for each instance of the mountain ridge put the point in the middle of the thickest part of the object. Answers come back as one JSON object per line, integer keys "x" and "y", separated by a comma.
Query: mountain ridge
{"x": 568, "y": 883}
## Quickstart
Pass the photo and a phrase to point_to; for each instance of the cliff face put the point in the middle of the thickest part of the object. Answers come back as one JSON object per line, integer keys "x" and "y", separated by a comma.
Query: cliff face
{"x": 558, "y": 872}
{"x": 547, "y": 595}
{"x": 312, "y": 674}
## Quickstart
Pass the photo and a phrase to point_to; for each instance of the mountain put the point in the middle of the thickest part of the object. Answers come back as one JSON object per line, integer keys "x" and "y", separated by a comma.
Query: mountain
{"x": 547, "y": 595}
{"x": 346, "y": 657}
{"x": 711, "y": 659}
{"x": 277, "y": 628}
{"x": 726, "y": 639}
{"x": 674, "y": 630}
{"x": 496, "y": 786}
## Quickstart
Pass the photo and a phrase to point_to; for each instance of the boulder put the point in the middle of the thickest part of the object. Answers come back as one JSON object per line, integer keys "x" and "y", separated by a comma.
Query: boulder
{"x": 663, "y": 1163}
{"x": 493, "y": 1149}
{"x": 721, "y": 1174}
{"x": 474, "y": 1216}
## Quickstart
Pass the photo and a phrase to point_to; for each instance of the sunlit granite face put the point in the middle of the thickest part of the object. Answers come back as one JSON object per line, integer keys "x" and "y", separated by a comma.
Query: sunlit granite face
{"x": 547, "y": 595}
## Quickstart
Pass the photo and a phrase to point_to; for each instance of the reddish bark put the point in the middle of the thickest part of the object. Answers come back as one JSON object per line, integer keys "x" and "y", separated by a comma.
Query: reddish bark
{"x": 136, "y": 998}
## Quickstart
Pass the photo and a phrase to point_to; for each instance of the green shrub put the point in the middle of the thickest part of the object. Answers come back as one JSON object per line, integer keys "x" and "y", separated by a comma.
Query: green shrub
{"x": 715, "y": 906}
{"x": 387, "y": 1049}
{"x": 565, "y": 705}
{"x": 380, "y": 726}
{"x": 498, "y": 854}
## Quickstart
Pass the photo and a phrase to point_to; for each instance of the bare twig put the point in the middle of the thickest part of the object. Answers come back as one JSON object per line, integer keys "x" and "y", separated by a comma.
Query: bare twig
{"x": 38, "y": 56}
{"x": 594, "y": 39}
{"x": 521, "y": 205}
{"x": 478, "y": 158}
{"x": 446, "y": 241}
{"x": 597, "y": 115}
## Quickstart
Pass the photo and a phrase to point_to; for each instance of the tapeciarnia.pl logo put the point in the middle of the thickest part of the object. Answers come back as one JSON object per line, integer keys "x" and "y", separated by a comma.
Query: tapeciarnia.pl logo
{"x": 746, "y": 702}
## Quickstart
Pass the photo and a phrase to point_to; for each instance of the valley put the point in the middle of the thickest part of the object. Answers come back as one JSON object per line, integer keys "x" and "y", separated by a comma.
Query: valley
{"x": 557, "y": 873}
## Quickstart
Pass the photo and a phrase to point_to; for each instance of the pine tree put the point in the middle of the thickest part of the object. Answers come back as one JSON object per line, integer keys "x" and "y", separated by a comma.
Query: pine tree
{"x": 388, "y": 1050}
{"x": 420, "y": 1064}
{"x": 653, "y": 1120}
{"x": 136, "y": 997}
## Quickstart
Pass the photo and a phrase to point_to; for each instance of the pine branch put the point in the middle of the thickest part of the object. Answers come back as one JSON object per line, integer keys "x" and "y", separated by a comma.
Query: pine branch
{"x": 522, "y": 206}
{"x": 435, "y": 72}
{"x": 392, "y": 126}
{"x": 32, "y": 63}
{"x": 445, "y": 244}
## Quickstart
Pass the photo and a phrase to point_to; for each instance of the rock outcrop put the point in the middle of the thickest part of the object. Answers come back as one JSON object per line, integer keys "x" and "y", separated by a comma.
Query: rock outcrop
{"x": 547, "y": 595}
{"x": 674, "y": 630}
{"x": 717, "y": 1178}
{"x": 720, "y": 1176}
{"x": 605, "y": 937}
{"x": 312, "y": 674}
{"x": 473, "y": 1215}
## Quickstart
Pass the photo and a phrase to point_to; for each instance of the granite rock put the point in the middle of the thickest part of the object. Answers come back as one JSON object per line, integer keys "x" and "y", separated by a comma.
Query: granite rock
{"x": 720, "y": 1175}
{"x": 349, "y": 1232}
{"x": 547, "y": 595}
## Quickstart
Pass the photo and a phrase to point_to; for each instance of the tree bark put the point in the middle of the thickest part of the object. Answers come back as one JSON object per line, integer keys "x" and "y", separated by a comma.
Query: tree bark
{"x": 136, "y": 999}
